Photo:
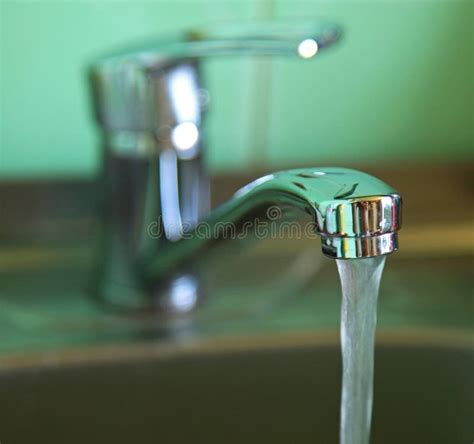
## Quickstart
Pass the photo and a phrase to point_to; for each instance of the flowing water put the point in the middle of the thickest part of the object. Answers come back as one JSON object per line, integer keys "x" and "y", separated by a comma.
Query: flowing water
{"x": 360, "y": 280}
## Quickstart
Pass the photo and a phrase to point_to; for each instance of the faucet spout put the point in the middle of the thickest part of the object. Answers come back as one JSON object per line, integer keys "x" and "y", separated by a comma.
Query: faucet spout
{"x": 356, "y": 214}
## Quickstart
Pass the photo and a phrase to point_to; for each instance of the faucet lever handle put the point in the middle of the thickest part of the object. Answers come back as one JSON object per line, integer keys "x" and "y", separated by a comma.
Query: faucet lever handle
{"x": 157, "y": 86}
{"x": 261, "y": 39}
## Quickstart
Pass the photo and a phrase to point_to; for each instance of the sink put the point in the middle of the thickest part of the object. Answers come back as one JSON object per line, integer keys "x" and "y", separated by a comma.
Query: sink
{"x": 251, "y": 366}
{"x": 278, "y": 390}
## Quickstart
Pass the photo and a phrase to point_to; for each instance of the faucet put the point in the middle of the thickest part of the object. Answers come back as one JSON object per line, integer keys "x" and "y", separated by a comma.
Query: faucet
{"x": 150, "y": 104}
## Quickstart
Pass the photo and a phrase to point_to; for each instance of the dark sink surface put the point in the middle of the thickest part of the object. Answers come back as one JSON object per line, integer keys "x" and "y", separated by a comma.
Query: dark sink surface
{"x": 423, "y": 394}
{"x": 52, "y": 391}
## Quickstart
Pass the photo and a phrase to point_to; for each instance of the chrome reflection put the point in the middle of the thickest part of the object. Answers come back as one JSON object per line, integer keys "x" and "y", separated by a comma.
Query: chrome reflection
{"x": 359, "y": 247}
{"x": 185, "y": 137}
{"x": 308, "y": 48}
{"x": 183, "y": 295}
{"x": 169, "y": 193}
{"x": 184, "y": 93}
{"x": 364, "y": 223}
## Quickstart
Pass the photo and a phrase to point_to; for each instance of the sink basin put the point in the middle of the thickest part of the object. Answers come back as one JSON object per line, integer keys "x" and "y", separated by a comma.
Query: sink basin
{"x": 282, "y": 392}
{"x": 253, "y": 366}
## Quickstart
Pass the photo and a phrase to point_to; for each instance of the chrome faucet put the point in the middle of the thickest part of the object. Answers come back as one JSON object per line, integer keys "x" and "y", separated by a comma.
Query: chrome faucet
{"x": 150, "y": 105}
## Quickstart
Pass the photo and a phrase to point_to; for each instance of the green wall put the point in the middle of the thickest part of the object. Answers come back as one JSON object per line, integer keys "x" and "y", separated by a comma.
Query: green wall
{"x": 399, "y": 86}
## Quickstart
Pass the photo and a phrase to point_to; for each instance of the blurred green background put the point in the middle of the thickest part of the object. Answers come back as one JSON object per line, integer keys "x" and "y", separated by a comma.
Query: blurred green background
{"x": 399, "y": 87}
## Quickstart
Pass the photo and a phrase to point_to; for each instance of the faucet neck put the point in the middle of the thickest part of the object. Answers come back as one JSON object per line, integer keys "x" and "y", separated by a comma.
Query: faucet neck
{"x": 357, "y": 215}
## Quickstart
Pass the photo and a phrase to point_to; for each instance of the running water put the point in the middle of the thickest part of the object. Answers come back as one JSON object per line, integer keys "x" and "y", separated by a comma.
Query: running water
{"x": 360, "y": 281}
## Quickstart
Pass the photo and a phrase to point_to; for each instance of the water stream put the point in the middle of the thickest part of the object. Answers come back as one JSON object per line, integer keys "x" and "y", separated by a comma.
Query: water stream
{"x": 360, "y": 280}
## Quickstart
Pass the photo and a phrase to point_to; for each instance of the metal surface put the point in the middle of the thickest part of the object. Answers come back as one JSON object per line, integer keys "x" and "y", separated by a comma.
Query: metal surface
{"x": 76, "y": 373}
{"x": 280, "y": 287}
{"x": 273, "y": 394}
{"x": 268, "y": 368}
{"x": 150, "y": 105}
{"x": 147, "y": 91}
{"x": 357, "y": 215}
